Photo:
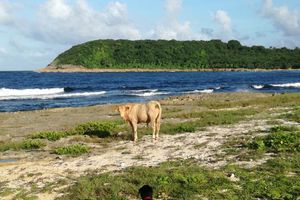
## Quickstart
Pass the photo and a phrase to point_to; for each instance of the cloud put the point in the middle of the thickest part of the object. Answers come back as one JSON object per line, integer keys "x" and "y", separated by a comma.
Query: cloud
{"x": 222, "y": 18}
{"x": 57, "y": 9}
{"x": 172, "y": 27}
{"x": 3, "y": 51}
{"x": 284, "y": 19}
{"x": 6, "y": 16}
{"x": 65, "y": 23}
{"x": 173, "y": 6}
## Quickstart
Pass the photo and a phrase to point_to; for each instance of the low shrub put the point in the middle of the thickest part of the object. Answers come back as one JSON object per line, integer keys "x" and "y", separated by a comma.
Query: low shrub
{"x": 50, "y": 135}
{"x": 281, "y": 139}
{"x": 32, "y": 144}
{"x": 100, "y": 129}
{"x": 27, "y": 144}
{"x": 184, "y": 127}
{"x": 75, "y": 149}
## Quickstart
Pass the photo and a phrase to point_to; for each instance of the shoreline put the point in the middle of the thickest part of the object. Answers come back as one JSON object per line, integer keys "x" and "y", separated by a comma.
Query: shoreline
{"x": 74, "y": 68}
{"x": 79, "y": 115}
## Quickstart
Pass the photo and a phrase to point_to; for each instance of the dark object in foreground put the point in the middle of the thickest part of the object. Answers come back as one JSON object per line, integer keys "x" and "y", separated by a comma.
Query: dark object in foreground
{"x": 146, "y": 192}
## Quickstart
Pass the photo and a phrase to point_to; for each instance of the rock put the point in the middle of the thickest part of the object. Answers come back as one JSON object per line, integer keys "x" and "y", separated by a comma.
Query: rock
{"x": 233, "y": 178}
{"x": 58, "y": 157}
{"x": 123, "y": 165}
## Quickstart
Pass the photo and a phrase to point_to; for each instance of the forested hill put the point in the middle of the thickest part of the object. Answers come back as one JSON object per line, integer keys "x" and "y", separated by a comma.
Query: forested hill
{"x": 163, "y": 54}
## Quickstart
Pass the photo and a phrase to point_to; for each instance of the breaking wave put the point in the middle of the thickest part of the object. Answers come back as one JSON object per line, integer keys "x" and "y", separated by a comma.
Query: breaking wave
{"x": 284, "y": 85}
{"x": 207, "y": 91}
{"x": 200, "y": 91}
{"x": 258, "y": 87}
{"x": 290, "y": 85}
{"x": 146, "y": 93}
{"x": 44, "y": 93}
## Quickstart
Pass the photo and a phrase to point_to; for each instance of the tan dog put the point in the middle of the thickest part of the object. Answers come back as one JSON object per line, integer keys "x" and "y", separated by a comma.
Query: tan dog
{"x": 135, "y": 113}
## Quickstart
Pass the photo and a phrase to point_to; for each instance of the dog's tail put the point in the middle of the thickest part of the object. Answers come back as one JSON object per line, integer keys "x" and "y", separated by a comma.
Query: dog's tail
{"x": 158, "y": 106}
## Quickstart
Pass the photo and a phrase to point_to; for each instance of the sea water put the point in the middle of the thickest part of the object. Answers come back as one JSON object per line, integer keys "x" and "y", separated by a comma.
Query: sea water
{"x": 26, "y": 90}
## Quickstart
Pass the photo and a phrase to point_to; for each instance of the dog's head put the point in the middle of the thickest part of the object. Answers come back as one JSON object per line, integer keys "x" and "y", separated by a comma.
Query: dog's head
{"x": 123, "y": 110}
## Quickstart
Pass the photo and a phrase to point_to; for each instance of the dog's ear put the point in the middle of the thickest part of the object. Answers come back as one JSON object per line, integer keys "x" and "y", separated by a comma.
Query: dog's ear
{"x": 116, "y": 108}
{"x": 127, "y": 107}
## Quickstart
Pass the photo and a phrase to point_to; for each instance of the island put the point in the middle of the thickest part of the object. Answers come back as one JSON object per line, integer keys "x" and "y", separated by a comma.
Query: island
{"x": 172, "y": 55}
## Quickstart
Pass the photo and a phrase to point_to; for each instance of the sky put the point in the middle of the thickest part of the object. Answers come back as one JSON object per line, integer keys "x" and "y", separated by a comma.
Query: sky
{"x": 34, "y": 32}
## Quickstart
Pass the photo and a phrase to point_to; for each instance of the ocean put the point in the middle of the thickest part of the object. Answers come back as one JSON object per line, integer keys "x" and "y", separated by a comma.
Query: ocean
{"x": 26, "y": 90}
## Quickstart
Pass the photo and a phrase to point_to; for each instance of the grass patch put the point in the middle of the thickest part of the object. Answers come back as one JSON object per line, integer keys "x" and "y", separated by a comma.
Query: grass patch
{"x": 50, "y": 135}
{"x": 170, "y": 181}
{"x": 100, "y": 129}
{"x": 271, "y": 180}
{"x": 294, "y": 116}
{"x": 188, "y": 180}
{"x": 263, "y": 101}
{"x": 27, "y": 144}
{"x": 169, "y": 112}
{"x": 281, "y": 139}
{"x": 221, "y": 115}
{"x": 6, "y": 191}
{"x": 75, "y": 150}
{"x": 207, "y": 118}
{"x": 185, "y": 127}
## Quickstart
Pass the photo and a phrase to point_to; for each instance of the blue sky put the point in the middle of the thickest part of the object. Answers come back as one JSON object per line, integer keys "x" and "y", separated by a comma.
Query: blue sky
{"x": 33, "y": 33}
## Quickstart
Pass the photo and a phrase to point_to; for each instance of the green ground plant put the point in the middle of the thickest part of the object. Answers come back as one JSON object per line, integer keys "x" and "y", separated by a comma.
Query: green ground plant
{"x": 293, "y": 116}
{"x": 50, "y": 135}
{"x": 27, "y": 144}
{"x": 263, "y": 101}
{"x": 278, "y": 178}
{"x": 74, "y": 150}
{"x": 281, "y": 139}
{"x": 100, "y": 129}
{"x": 187, "y": 180}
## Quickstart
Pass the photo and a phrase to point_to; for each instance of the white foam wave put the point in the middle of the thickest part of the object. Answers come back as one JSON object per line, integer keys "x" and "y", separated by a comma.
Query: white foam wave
{"x": 257, "y": 86}
{"x": 51, "y": 93}
{"x": 146, "y": 92}
{"x": 200, "y": 91}
{"x": 294, "y": 85}
{"x": 6, "y": 92}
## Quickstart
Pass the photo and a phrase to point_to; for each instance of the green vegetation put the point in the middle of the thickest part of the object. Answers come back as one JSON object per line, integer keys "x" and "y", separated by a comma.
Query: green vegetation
{"x": 244, "y": 100}
{"x": 26, "y": 144}
{"x": 294, "y": 116}
{"x": 188, "y": 180}
{"x": 100, "y": 129}
{"x": 219, "y": 116}
{"x": 162, "y": 54}
{"x": 75, "y": 150}
{"x": 281, "y": 139}
{"x": 278, "y": 178}
{"x": 183, "y": 127}
{"x": 50, "y": 135}
{"x": 201, "y": 120}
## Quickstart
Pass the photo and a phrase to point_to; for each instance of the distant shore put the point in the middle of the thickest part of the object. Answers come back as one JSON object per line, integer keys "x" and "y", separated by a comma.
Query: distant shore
{"x": 74, "y": 68}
